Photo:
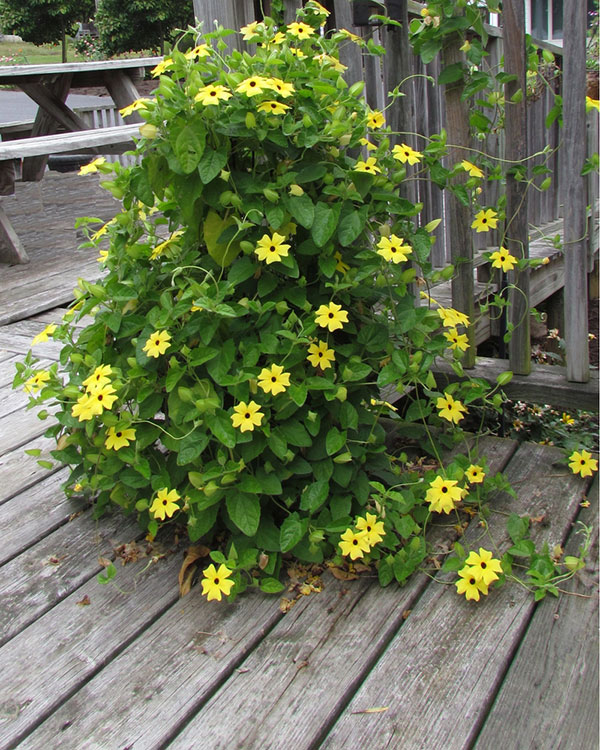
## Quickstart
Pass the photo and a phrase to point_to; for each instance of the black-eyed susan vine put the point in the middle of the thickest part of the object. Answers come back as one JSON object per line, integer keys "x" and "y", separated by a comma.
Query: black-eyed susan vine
{"x": 258, "y": 295}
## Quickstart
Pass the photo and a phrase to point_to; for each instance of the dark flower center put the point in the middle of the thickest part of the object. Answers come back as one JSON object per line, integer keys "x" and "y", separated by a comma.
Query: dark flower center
{"x": 118, "y": 434}
{"x": 483, "y": 565}
{"x": 100, "y": 397}
{"x": 273, "y": 379}
{"x": 444, "y": 489}
{"x": 272, "y": 249}
{"x": 247, "y": 415}
{"x": 216, "y": 580}
{"x": 472, "y": 581}
{"x": 330, "y": 315}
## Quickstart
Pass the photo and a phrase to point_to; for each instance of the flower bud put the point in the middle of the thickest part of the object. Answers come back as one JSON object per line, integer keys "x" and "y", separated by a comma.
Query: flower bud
{"x": 149, "y": 131}
{"x": 296, "y": 190}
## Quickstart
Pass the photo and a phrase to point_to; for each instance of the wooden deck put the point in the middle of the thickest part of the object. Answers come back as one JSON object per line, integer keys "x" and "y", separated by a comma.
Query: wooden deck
{"x": 93, "y": 667}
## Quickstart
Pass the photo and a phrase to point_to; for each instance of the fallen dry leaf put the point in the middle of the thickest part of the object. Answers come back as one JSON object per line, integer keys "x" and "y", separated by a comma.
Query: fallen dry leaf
{"x": 378, "y": 710}
{"x": 343, "y": 575}
{"x": 188, "y": 567}
{"x": 84, "y": 602}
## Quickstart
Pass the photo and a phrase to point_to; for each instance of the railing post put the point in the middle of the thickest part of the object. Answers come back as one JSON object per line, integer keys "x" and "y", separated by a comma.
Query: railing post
{"x": 459, "y": 216}
{"x": 574, "y": 193}
{"x": 516, "y": 233}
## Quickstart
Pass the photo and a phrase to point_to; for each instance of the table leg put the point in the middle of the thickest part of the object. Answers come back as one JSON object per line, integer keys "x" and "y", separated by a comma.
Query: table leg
{"x": 123, "y": 92}
{"x": 45, "y": 124}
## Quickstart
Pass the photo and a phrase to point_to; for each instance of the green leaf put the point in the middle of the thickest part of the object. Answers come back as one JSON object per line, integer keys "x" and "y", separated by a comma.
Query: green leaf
{"x": 295, "y": 434}
{"x": 451, "y": 73}
{"x": 244, "y": 510}
{"x": 221, "y": 427}
{"x": 292, "y": 531}
{"x": 334, "y": 441}
{"x": 189, "y": 147}
{"x": 271, "y": 585}
{"x": 523, "y": 548}
{"x": 517, "y": 527}
{"x": 275, "y": 215}
{"x": 314, "y": 495}
{"x": 385, "y": 573}
{"x": 302, "y": 210}
{"x": 211, "y": 163}
{"x": 351, "y": 224}
{"x": 214, "y": 226}
{"x": 348, "y": 416}
{"x": 202, "y": 354}
{"x": 325, "y": 222}
{"x": 173, "y": 377}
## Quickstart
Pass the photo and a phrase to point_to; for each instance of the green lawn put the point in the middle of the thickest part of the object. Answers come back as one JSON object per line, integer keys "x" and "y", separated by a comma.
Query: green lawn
{"x": 25, "y": 53}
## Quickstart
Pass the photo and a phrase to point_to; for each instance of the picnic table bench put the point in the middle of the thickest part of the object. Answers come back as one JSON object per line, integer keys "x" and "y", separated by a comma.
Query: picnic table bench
{"x": 49, "y": 86}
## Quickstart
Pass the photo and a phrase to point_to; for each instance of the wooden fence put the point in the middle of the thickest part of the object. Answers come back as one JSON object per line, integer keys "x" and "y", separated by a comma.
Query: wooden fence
{"x": 428, "y": 107}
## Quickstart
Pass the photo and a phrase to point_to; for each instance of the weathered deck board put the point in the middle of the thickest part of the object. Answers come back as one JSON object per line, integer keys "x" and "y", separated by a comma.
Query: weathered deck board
{"x": 19, "y": 427}
{"x": 44, "y": 215}
{"x": 50, "y": 570}
{"x": 563, "y": 694}
{"x": 432, "y": 692}
{"x": 320, "y": 648}
{"x": 47, "y": 662}
{"x": 19, "y": 471}
{"x": 34, "y": 513}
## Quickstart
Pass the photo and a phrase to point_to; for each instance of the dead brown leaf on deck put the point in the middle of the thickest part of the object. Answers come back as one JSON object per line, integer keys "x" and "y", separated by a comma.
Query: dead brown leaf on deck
{"x": 377, "y": 710}
{"x": 188, "y": 567}
{"x": 84, "y": 602}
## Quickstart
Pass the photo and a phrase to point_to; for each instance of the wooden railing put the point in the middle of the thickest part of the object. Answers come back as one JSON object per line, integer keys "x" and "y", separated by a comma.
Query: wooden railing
{"x": 426, "y": 108}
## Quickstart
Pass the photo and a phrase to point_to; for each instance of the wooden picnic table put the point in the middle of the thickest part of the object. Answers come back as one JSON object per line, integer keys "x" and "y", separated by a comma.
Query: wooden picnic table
{"x": 352, "y": 667}
{"x": 49, "y": 87}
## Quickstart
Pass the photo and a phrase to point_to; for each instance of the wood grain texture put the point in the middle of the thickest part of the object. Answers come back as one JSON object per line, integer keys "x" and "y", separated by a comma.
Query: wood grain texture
{"x": 444, "y": 667}
{"x": 34, "y": 513}
{"x": 12, "y": 74}
{"x": 320, "y": 648}
{"x": 45, "y": 664}
{"x": 574, "y": 193}
{"x": 47, "y": 572}
{"x": 350, "y": 53}
{"x": 163, "y": 677}
{"x": 11, "y": 247}
{"x": 19, "y": 471}
{"x": 19, "y": 427}
{"x": 554, "y": 675}
{"x": 64, "y": 142}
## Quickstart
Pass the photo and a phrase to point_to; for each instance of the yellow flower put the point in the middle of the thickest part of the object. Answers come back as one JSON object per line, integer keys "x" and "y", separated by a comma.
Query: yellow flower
{"x": 43, "y": 336}
{"x": 117, "y": 439}
{"x": 457, "y": 340}
{"x": 283, "y": 89}
{"x": 316, "y": 8}
{"x": 375, "y": 119}
{"x": 133, "y": 107}
{"x": 212, "y": 95}
{"x": 372, "y": 528}
{"x": 216, "y": 582}
{"x": 271, "y": 249}
{"x": 591, "y": 104}
{"x": 273, "y": 380}
{"x": 443, "y": 494}
{"x": 405, "y": 154}
{"x": 485, "y": 220}
{"x": 92, "y": 166}
{"x": 253, "y": 86}
{"x": 247, "y": 416}
{"x": 331, "y": 316}
{"x": 103, "y": 229}
{"x": 354, "y": 544}
{"x": 100, "y": 376}
{"x": 202, "y": 50}
{"x": 300, "y": 30}
{"x": 582, "y": 463}
{"x": 273, "y": 107}
{"x": 475, "y": 474}
{"x": 369, "y": 166}
{"x": 483, "y": 566}
{"x": 340, "y": 265}
{"x": 161, "y": 67}
{"x": 157, "y": 344}
{"x": 469, "y": 585}
{"x": 567, "y": 419}
{"x": 329, "y": 59}
{"x": 102, "y": 397}
{"x": 36, "y": 382}
{"x": 279, "y": 38}
{"x": 165, "y": 504}
{"x": 370, "y": 146}
{"x": 319, "y": 355}
{"x": 102, "y": 256}
{"x": 450, "y": 409}
{"x": 85, "y": 408}
{"x": 353, "y": 37}
{"x": 473, "y": 170}
{"x": 393, "y": 249}
{"x": 466, "y": 46}
{"x": 158, "y": 250}
{"x": 375, "y": 402}
{"x": 251, "y": 30}
{"x": 503, "y": 259}
{"x": 452, "y": 318}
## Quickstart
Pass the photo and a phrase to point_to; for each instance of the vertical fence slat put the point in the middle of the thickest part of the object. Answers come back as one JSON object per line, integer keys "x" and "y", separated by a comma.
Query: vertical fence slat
{"x": 350, "y": 54}
{"x": 574, "y": 145}
{"x": 517, "y": 229}
{"x": 458, "y": 215}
